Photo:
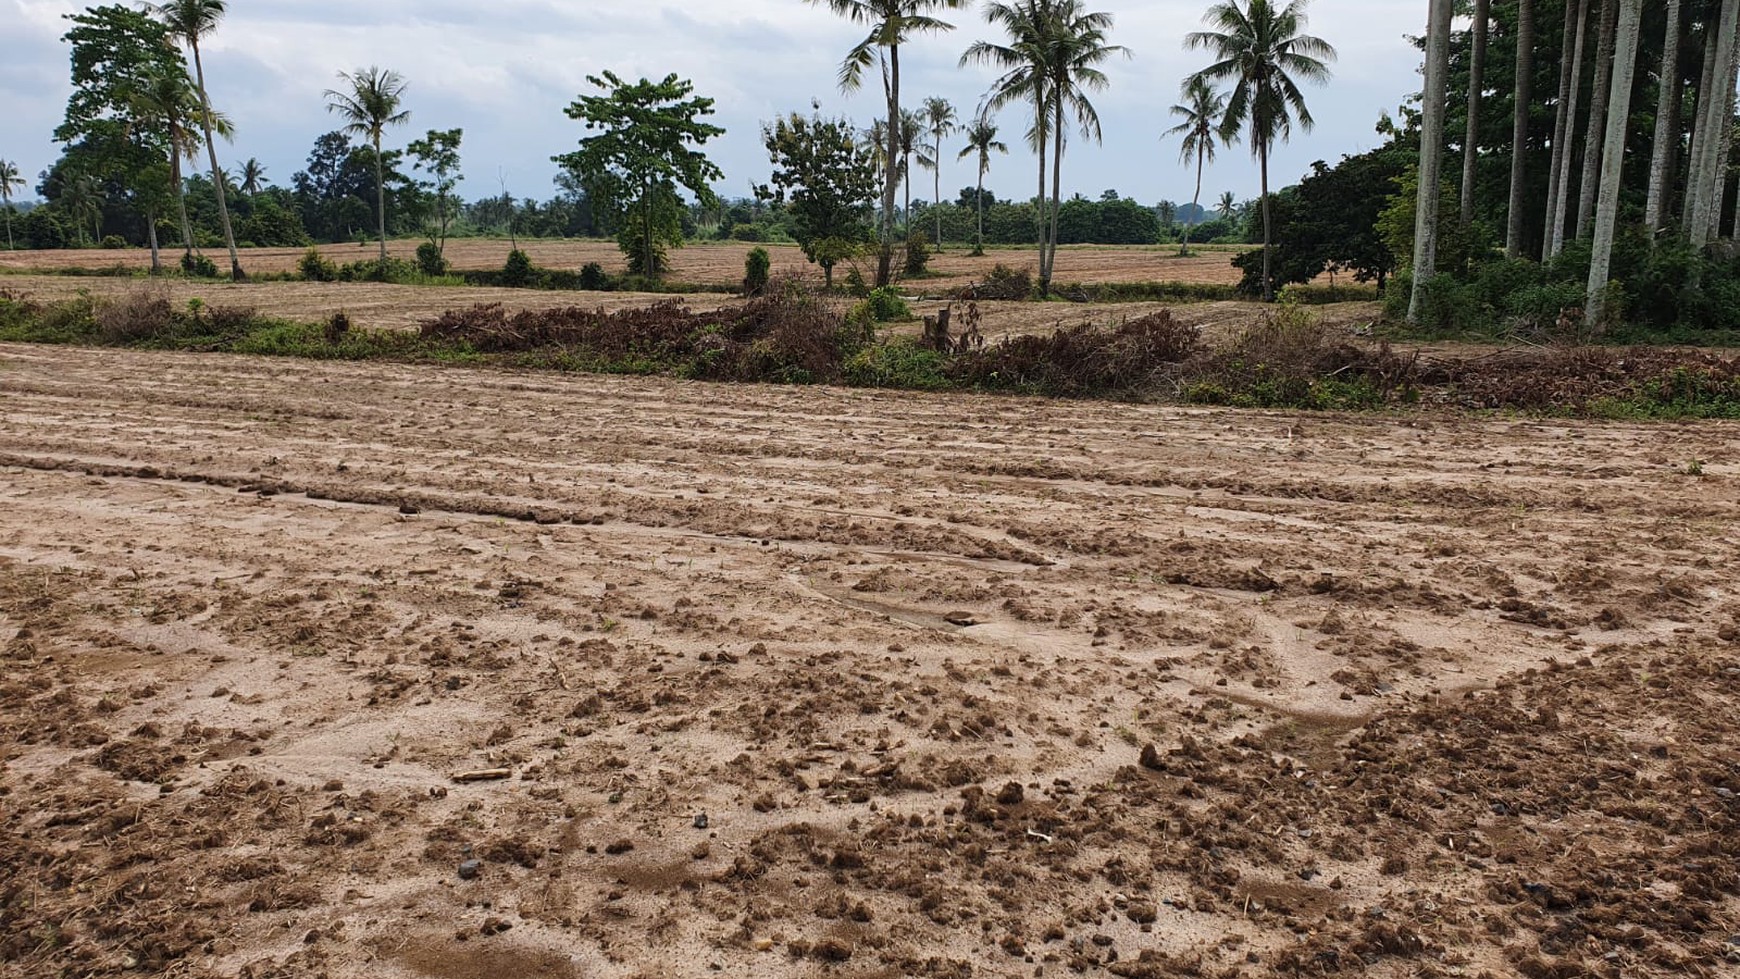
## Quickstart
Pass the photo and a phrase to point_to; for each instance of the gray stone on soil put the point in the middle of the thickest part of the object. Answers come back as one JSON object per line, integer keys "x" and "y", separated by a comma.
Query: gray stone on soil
{"x": 470, "y": 869}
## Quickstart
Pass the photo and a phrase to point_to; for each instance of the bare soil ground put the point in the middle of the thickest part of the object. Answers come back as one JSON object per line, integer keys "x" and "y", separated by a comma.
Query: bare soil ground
{"x": 404, "y": 307}
{"x": 798, "y": 682}
{"x": 702, "y": 262}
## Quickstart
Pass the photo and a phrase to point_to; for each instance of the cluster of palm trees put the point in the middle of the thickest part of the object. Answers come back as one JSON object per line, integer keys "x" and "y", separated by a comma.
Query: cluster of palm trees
{"x": 1589, "y": 151}
{"x": 1050, "y": 60}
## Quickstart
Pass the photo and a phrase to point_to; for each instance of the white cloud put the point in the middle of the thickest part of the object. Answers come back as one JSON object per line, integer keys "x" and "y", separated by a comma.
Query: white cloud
{"x": 504, "y": 71}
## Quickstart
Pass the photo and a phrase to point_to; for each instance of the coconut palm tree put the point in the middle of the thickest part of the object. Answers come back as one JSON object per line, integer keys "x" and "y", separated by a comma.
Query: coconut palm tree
{"x": 83, "y": 199}
{"x": 371, "y": 104}
{"x": 1199, "y": 125}
{"x": 9, "y": 178}
{"x": 1052, "y": 61}
{"x": 167, "y": 105}
{"x": 1024, "y": 82}
{"x": 941, "y": 122}
{"x": 911, "y": 126}
{"x": 1565, "y": 126}
{"x": 1228, "y": 204}
{"x": 892, "y": 23}
{"x": 253, "y": 175}
{"x": 1259, "y": 47}
{"x": 191, "y": 20}
{"x": 982, "y": 141}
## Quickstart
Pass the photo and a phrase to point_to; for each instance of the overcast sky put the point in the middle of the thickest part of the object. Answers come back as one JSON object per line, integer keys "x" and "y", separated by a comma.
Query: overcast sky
{"x": 505, "y": 69}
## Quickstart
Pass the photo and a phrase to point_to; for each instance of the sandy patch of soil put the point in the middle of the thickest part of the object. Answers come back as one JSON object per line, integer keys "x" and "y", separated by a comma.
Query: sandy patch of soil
{"x": 961, "y": 685}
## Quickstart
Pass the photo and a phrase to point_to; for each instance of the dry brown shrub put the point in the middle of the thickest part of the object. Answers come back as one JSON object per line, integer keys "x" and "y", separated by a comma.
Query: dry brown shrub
{"x": 1084, "y": 360}
{"x": 141, "y": 313}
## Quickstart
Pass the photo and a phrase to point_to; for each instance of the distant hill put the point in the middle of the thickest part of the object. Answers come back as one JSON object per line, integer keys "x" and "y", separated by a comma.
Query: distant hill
{"x": 1192, "y": 214}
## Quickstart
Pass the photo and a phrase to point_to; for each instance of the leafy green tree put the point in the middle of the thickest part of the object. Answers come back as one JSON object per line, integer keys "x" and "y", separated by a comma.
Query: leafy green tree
{"x": 643, "y": 152}
{"x": 828, "y": 183}
{"x": 116, "y": 51}
{"x": 191, "y": 20}
{"x": 1258, "y": 46}
{"x": 9, "y": 179}
{"x": 437, "y": 154}
{"x": 371, "y": 102}
{"x": 981, "y": 142}
{"x": 1199, "y": 125}
{"x": 892, "y": 23}
{"x": 1226, "y": 206}
{"x": 1334, "y": 220}
{"x": 941, "y": 122}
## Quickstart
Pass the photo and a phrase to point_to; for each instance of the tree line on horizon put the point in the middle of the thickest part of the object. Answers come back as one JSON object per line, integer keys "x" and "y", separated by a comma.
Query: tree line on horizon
{"x": 138, "y": 114}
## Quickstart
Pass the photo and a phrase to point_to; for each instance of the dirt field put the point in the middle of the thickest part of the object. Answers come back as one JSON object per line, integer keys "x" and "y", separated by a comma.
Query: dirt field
{"x": 701, "y": 262}
{"x": 792, "y": 682}
{"x": 404, "y": 307}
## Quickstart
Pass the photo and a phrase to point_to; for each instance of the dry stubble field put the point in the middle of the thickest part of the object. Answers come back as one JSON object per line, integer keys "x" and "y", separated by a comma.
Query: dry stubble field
{"x": 700, "y": 262}
{"x": 962, "y": 686}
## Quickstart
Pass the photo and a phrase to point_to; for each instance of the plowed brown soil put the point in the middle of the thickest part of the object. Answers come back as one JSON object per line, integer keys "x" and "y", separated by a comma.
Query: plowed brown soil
{"x": 961, "y": 686}
{"x": 702, "y": 262}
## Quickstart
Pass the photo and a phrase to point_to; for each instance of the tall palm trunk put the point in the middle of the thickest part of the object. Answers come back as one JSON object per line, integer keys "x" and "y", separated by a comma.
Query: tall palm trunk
{"x": 1666, "y": 121}
{"x": 1715, "y": 112}
{"x": 936, "y": 200}
{"x": 381, "y": 201}
{"x": 1561, "y": 126}
{"x": 1594, "y": 142}
{"x": 1263, "y": 168}
{"x": 890, "y": 183}
{"x": 1432, "y": 105}
{"x": 1725, "y": 152}
{"x": 150, "y": 239}
{"x": 217, "y": 178}
{"x": 1562, "y": 170}
{"x": 1057, "y": 183}
{"x": 1613, "y": 158}
{"x": 1700, "y": 132}
{"x": 1525, "y": 69}
{"x": 1195, "y": 202}
{"x": 1040, "y": 205}
{"x": 979, "y": 244}
{"x": 1476, "y": 91}
{"x": 187, "y": 243}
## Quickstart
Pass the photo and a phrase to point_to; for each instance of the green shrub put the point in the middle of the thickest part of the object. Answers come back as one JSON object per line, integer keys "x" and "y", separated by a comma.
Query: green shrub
{"x": 518, "y": 271}
{"x": 749, "y": 231}
{"x": 917, "y": 254}
{"x": 430, "y": 261}
{"x": 886, "y": 305}
{"x": 198, "y": 266}
{"x": 314, "y": 268}
{"x": 593, "y": 278}
{"x": 902, "y": 362}
{"x": 855, "y": 284}
{"x": 113, "y": 242}
{"x": 756, "y": 267}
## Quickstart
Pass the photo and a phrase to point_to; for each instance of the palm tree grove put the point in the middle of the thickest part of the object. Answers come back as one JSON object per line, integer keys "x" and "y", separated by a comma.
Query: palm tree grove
{"x": 1162, "y": 489}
